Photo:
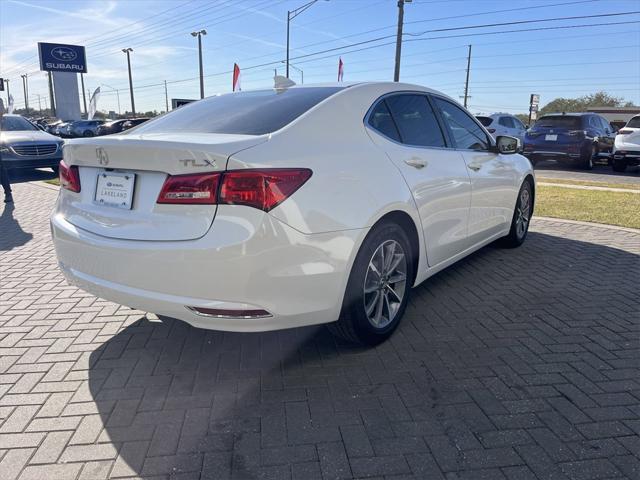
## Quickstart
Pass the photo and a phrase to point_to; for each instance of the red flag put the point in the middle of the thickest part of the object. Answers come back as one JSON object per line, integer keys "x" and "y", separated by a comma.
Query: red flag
{"x": 236, "y": 77}
{"x": 340, "y": 70}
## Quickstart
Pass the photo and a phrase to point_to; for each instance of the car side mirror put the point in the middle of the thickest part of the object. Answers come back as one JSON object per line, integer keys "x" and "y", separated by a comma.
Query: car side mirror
{"x": 507, "y": 145}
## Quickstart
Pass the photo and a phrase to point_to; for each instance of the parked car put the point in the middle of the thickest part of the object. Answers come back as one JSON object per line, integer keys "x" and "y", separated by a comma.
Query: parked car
{"x": 108, "y": 128}
{"x": 55, "y": 127}
{"x": 573, "y": 138}
{"x": 626, "y": 147}
{"x": 503, "y": 124}
{"x": 23, "y": 145}
{"x": 271, "y": 209}
{"x": 82, "y": 128}
{"x": 133, "y": 122}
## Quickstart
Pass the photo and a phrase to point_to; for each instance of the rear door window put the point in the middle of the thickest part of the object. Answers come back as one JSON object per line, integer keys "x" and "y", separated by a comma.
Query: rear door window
{"x": 485, "y": 121}
{"x": 507, "y": 122}
{"x": 381, "y": 121}
{"x": 415, "y": 119}
{"x": 243, "y": 113}
{"x": 465, "y": 132}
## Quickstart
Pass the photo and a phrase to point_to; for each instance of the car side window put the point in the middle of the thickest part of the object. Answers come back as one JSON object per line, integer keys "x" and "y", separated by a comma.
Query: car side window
{"x": 466, "y": 133}
{"x": 519, "y": 124}
{"x": 416, "y": 121}
{"x": 594, "y": 122}
{"x": 380, "y": 120}
{"x": 507, "y": 122}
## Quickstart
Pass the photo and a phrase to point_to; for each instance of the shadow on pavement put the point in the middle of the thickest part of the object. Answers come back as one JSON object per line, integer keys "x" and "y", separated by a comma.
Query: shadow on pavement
{"x": 466, "y": 363}
{"x": 11, "y": 233}
{"x": 31, "y": 175}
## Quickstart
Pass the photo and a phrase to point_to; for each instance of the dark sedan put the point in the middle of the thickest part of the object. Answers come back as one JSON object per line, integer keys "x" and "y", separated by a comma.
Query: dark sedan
{"x": 23, "y": 145}
{"x": 116, "y": 126}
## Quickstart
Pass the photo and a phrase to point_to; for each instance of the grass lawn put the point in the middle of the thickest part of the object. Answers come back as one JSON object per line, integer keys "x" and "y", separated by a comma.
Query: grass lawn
{"x": 629, "y": 186}
{"x": 612, "y": 208}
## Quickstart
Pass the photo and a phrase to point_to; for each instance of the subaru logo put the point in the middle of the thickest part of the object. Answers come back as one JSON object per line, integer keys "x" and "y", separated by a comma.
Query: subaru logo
{"x": 101, "y": 155}
{"x": 64, "y": 54}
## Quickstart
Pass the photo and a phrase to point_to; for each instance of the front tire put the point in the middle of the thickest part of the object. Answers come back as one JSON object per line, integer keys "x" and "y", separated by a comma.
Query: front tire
{"x": 619, "y": 165}
{"x": 521, "y": 218}
{"x": 378, "y": 288}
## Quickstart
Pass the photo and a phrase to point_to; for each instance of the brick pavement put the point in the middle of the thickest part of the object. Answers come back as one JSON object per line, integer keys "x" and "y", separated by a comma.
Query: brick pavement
{"x": 513, "y": 364}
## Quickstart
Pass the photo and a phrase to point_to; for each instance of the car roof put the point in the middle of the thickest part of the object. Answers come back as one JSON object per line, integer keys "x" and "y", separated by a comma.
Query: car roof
{"x": 569, "y": 114}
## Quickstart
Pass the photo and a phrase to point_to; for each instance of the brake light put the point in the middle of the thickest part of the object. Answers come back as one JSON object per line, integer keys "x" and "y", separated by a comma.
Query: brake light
{"x": 191, "y": 189}
{"x": 69, "y": 177}
{"x": 491, "y": 130}
{"x": 263, "y": 189}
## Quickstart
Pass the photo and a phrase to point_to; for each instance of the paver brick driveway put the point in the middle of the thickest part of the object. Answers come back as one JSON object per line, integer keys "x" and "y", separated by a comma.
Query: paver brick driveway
{"x": 518, "y": 364}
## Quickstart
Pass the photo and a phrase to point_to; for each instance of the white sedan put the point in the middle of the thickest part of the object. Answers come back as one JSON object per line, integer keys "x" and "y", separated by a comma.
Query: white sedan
{"x": 273, "y": 209}
{"x": 626, "y": 146}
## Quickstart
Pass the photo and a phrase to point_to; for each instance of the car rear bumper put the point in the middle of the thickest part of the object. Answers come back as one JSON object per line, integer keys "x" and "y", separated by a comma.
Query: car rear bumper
{"x": 631, "y": 156}
{"x": 245, "y": 262}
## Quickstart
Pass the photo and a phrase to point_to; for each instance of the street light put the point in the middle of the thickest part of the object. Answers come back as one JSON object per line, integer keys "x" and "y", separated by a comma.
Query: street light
{"x": 199, "y": 35}
{"x": 117, "y": 95}
{"x": 25, "y": 87}
{"x": 133, "y": 105}
{"x": 291, "y": 14}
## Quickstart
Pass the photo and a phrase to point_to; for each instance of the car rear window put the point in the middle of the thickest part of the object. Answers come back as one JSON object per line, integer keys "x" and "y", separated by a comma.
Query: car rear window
{"x": 242, "y": 113}
{"x": 485, "y": 121}
{"x": 559, "y": 121}
{"x": 15, "y": 124}
{"x": 634, "y": 122}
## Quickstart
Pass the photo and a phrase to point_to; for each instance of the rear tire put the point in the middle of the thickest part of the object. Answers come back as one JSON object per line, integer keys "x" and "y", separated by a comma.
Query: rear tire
{"x": 521, "y": 218}
{"x": 378, "y": 288}
{"x": 88, "y": 133}
{"x": 619, "y": 165}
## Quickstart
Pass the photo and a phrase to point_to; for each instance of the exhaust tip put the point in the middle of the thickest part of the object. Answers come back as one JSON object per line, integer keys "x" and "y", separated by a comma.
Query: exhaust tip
{"x": 225, "y": 313}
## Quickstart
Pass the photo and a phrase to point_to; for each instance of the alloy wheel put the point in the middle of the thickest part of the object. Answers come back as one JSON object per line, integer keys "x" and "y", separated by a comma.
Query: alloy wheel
{"x": 523, "y": 214}
{"x": 385, "y": 283}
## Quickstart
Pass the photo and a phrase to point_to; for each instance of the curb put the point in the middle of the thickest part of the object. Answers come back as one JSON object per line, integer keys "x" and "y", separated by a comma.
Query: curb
{"x": 588, "y": 224}
{"x": 588, "y": 187}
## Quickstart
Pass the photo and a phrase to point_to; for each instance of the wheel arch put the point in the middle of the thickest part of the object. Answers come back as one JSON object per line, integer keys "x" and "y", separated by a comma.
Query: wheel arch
{"x": 404, "y": 220}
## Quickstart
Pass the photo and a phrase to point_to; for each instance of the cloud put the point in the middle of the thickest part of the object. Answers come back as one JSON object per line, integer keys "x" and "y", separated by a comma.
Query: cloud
{"x": 97, "y": 14}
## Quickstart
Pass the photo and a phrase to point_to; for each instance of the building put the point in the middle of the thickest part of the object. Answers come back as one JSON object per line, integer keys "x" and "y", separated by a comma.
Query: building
{"x": 616, "y": 116}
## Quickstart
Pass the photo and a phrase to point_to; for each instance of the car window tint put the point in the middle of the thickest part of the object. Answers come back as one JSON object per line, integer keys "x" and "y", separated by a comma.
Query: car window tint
{"x": 242, "y": 113}
{"x": 634, "y": 122}
{"x": 14, "y": 124}
{"x": 415, "y": 120}
{"x": 466, "y": 133}
{"x": 486, "y": 121}
{"x": 518, "y": 123}
{"x": 507, "y": 122}
{"x": 559, "y": 121}
{"x": 380, "y": 120}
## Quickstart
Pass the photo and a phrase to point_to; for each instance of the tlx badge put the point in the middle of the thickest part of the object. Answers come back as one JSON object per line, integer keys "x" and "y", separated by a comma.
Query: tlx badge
{"x": 101, "y": 155}
{"x": 189, "y": 162}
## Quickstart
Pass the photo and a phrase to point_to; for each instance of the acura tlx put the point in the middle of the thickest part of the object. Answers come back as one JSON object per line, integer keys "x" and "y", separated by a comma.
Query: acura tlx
{"x": 278, "y": 208}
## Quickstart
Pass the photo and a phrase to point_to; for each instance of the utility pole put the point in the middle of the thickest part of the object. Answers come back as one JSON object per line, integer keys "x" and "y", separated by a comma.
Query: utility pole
{"x": 25, "y": 87}
{"x": 466, "y": 83}
{"x": 133, "y": 105}
{"x": 199, "y": 35}
{"x": 291, "y": 14}
{"x": 39, "y": 103}
{"x": 51, "y": 100}
{"x": 396, "y": 72}
{"x": 84, "y": 98}
{"x": 6, "y": 80}
{"x": 166, "y": 97}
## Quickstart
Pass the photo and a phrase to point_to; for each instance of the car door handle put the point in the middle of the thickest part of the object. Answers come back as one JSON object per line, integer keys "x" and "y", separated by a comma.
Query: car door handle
{"x": 474, "y": 166}
{"x": 415, "y": 162}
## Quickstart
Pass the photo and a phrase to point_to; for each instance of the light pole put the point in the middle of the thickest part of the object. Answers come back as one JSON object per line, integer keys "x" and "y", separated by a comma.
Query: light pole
{"x": 117, "y": 95}
{"x": 25, "y": 87}
{"x": 133, "y": 105}
{"x": 396, "y": 72}
{"x": 291, "y": 14}
{"x": 199, "y": 35}
{"x": 6, "y": 81}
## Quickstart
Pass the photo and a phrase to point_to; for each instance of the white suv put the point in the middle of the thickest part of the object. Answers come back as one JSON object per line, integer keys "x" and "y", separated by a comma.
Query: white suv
{"x": 503, "y": 124}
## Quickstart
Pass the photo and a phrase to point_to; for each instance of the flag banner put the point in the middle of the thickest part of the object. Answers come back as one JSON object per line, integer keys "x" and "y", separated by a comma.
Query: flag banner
{"x": 93, "y": 104}
{"x": 340, "y": 69}
{"x": 236, "y": 78}
{"x": 10, "y": 106}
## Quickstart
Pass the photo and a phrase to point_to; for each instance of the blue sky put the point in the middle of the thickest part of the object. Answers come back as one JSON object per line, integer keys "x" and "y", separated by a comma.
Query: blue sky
{"x": 505, "y": 67}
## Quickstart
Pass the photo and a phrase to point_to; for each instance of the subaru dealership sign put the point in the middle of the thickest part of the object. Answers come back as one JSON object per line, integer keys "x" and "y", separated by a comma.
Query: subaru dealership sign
{"x": 57, "y": 57}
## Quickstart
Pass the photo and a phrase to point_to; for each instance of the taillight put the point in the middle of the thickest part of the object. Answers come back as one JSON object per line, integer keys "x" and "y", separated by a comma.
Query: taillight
{"x": 263, "y": 189}
{"x": 491, "y": 130}
{"x": 191, "y": 188}
{"x": 69, "y": 177}
{"x": 624, "y": 132}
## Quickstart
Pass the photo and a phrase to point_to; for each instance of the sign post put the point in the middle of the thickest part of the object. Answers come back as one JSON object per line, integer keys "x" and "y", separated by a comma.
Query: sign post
{"x": 534, "y": 101}
{"x": 63, "y": 61}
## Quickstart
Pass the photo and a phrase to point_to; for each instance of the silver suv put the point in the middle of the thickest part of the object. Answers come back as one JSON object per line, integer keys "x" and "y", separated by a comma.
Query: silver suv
{"x": 503, "y": 124}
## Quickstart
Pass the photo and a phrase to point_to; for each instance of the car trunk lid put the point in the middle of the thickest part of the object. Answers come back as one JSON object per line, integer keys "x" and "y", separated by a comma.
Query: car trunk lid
{"x": 145, "y": 161}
